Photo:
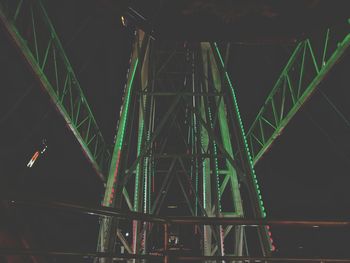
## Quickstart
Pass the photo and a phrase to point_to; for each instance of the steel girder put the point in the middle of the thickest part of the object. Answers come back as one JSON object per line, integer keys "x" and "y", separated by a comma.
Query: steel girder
{"x": 307, "y": 67}
{"x": 231, "y": 178}
{"x": 31, "y": 30}
{"x": 114, "y": 188}
{"x": 176, "y": 132}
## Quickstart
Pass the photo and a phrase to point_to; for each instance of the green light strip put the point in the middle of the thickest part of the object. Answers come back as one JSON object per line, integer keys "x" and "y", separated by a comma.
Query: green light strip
{"x": 146, "y": 183}
{"x": 125, "y": 113}
{"x": 196, "y": 163}
{"x": 120, "y": 138}
{"x": 204, "y": 179}
{"x": 261, "y": 204}
{"x": 137, "y": 178}
{"x": 151, "y": 175}
{"x": 140, "y": 137}
{"x": 216, "y": 163}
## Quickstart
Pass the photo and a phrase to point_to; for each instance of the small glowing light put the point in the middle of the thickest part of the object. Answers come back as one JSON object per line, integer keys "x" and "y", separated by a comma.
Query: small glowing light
{"x": 33, "y": 159}
{"x": 43, "y": 150}
{"x": 127, "y": 234}
{"x": 123, "y": 20}
{"x": 315, "y": 226}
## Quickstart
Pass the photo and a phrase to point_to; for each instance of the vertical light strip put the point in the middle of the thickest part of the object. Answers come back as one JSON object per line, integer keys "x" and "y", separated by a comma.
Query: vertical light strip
{"x": 125, "y": 113}
{"x": 261, "y": 204}
{"x": 215, "y": 162}
{"x": 136, "y": 196}
{"x": 257, "y": 188}
{"x": 120, "y": 139}
{"x": 196, "y": 163}
{"x": 217, "y": 183}
{"x": 146, "y": 172}
{"x": 204, "y": 177}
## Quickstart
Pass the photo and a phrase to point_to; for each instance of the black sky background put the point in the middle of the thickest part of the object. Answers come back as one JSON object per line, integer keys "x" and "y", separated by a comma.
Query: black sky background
{"x": 304, "y": 175}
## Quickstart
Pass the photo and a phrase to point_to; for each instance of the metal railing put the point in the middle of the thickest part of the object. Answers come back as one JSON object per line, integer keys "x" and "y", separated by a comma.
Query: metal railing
{"x": 165, "y": 254}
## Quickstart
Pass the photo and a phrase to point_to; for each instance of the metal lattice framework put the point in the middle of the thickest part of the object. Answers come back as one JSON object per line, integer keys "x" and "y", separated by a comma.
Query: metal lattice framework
{"x": 30, "y": 28}
{"x": 181, "y": 109}
{"x": 307, "y": 67}
{"x": 179, "y": 128}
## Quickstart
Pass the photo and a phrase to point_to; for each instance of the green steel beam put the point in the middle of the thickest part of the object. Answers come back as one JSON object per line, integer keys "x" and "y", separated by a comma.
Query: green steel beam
{"x": 307, "y": 67}
{"x": 114, "y": 182}
{"x": 140, "y": 169}
{"x": 252, "y": 182}
{"x": 30, "y": 28}
{"x": 206, "y": 178}
{"x": 232, "y": 175}
{"x": 231, "y": 178}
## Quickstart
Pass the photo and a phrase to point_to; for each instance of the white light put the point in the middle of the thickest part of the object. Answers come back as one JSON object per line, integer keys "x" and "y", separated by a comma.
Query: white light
{"x": 32, "y": 160}
{"x": 30, "y": 164}
{"x": 123, "y": 21}
{"x": 127, "y": 234}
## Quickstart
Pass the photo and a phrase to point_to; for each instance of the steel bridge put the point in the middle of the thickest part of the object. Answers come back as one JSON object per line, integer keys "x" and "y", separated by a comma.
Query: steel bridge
{"x": 180, "y": 133}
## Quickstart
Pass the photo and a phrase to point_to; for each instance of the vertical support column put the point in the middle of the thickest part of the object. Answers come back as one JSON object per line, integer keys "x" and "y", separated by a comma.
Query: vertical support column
{"x": 166, "y": 241}
{"x": 239, "y": 240}
{"x": 195, "y": 141}
{"x": 139, "y": 185}
{"x": 217, "y": 193}
{"x": 225, "y": 135}
{"x": 113, "y": 192}
{"x": 207, "y": 235}
{"x": 149, "y": 110}
{"x": 258, "y": 208}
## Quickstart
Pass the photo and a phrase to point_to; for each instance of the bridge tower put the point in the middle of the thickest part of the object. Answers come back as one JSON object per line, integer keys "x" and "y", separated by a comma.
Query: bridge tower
{"x": 180, "y": 134}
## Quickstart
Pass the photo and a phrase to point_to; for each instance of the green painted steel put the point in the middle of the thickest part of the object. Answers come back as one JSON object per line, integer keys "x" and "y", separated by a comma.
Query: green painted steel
{"x": 231, "y": 177}
{"x": 251, "y": 171}
{"x": 186, "y": 142}
{"x": 114, "y": 187}
{"x": 206, "y": 179}
{"x": 29, "y": 26}
{"x": 252, "y": 182}
{"x": 140, "y": 169}
{"x": 307, "y": 67}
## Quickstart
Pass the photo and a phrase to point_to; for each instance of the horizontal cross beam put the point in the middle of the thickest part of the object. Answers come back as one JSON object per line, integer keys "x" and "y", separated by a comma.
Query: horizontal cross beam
{"x": 173, "y": 256}
{"x": 114, "y": 212}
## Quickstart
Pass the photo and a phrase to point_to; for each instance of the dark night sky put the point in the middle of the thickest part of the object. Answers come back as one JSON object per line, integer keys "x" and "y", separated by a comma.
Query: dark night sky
{"x": 304, "y": 175}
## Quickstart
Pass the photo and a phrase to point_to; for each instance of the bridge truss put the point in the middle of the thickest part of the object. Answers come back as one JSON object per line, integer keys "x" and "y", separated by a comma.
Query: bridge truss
{"x": 179, "y": 128}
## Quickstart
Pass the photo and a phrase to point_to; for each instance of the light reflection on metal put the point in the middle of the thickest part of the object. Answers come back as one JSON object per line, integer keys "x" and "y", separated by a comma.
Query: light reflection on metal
{"x": 33, "y": 159}
{"x": 37, "y": 154}
{"x": 122, "y": 18}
